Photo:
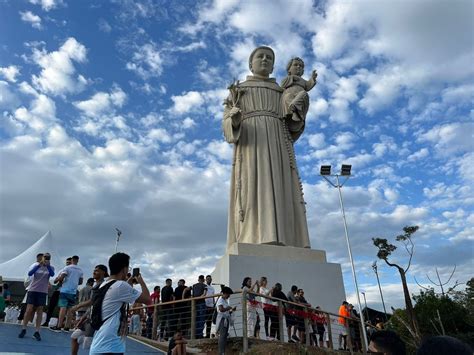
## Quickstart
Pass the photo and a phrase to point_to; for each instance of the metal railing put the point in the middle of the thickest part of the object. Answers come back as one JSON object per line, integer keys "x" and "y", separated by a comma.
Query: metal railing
{"x": 262, "y": 317}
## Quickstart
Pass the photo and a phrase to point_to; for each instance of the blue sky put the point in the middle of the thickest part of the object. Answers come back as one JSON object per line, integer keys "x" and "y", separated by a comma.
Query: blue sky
{"x": 111, "y": 116}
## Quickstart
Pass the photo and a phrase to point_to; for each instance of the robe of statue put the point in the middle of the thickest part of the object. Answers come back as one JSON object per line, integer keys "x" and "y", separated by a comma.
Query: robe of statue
{"x": 266, "y": 197}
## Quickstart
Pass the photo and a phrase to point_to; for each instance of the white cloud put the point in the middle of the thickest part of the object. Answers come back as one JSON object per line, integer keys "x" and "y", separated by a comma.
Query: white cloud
{"x": 420, "y": 154}
{"x": 331, "y": 37}
{"x": 343, "y": 141}
{"x": 118, "y": 149}
{"x": 102, "y": 102}
{"x": 385, "y": 145}
{"x": 191, "y": 101}
{"x": 317, "y": 108}
{"x": 146, "y": 62}
{"x": 217, "y": 12}
{"x": 10, "y": 73}
{"x": 47, "y": 5}
{"x": 466, "y": 166}
{"x": 360, "y": 160}
{"x": 100, "y": 116}
{"x": 189, "y": 47}
{"x": 160, "y": 135}
{"x": 8, "y": 100}
{"x": 450, "y": 138}
{"x": 41, "y": 114}
{"x": 58, "y": 72}
{"x": 104, "y": 26}
{"x": 383, "y": 88}
{"x": 316, "y": 141}
{"x": 187, "y": 102}
{"x": 220, "y": 149}
{"x": 188, "y": 122}
{"x": 344, "y": 94}
{"x": 459, "y": 94}
{"x": 31, "y": 18}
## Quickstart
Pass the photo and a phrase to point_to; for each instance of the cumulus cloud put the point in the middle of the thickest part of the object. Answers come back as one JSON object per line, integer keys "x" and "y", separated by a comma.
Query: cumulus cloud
{"x": 10, "y": 73}
{"x": 146, "y": 62}
{"x": 47, "y": 5}
{"x": 188, "y": 122}
{"x": 420, "y": 154}
{"x": 100, "y": 112}
{"x": 102, "y": 102}
{"x": 316, "y": 140}
{"x": 450, "y": 138}
{"x": 8, "y": 99}
{"x": 191, "y": 101}
{"x": 466, "y": 167}
{"x": 31, "y": 18}
{"x": 39, "y": 116}
{"x": 58, "y": 74}
{"x": 344, "y": 94}
{"x": 220, "y": 149}
{"x": 104, "y": 26}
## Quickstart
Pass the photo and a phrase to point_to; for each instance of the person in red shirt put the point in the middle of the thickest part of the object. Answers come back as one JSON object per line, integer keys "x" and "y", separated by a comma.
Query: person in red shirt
{"x": 343, "y": 312}
{"x": 155, "y": 296}
{"x": 320, "y": 321}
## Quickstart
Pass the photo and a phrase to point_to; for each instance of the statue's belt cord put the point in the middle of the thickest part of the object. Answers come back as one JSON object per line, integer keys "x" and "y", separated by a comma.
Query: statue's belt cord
{"x": 261, "y": 113}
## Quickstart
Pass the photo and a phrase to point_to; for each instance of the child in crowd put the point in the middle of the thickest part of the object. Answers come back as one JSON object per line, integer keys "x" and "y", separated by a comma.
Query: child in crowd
{"x": 135, "y": 320}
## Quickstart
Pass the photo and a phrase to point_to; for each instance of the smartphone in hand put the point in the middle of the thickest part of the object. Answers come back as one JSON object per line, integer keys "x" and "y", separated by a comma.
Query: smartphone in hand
{"x": 136, "y": 272}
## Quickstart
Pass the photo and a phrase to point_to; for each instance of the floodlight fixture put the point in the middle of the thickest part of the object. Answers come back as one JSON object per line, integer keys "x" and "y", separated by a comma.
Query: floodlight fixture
{"x": 325, "y": 170}
{"x": 346, "y": 170}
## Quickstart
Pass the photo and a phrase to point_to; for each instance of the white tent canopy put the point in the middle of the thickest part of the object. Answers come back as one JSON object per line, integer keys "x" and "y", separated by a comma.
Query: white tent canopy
{"x": 16, "y": 269}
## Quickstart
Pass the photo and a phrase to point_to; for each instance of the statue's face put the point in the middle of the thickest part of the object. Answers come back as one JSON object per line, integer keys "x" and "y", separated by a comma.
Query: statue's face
{"x": 262, "y": 62}
{"x": 296, "y": 68}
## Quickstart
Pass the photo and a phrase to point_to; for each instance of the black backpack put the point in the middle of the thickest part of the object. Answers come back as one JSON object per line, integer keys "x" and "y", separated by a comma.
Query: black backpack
{"x": 97, "y": 300}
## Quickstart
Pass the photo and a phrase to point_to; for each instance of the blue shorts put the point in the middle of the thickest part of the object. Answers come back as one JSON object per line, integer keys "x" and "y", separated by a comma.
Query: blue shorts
{"x": 36, "y": 298}
{"x": 66, "y": 300}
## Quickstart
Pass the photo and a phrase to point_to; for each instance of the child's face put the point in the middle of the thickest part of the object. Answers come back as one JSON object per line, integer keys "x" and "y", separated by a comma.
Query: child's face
{"x": 297, "y": 68}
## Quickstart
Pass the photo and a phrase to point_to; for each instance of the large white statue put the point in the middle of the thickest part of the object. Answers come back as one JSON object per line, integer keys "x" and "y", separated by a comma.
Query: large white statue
{"x": 266, "y": 197}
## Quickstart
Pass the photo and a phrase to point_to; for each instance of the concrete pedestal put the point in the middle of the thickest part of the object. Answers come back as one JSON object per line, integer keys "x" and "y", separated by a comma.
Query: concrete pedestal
{"x": 306, "y": 268}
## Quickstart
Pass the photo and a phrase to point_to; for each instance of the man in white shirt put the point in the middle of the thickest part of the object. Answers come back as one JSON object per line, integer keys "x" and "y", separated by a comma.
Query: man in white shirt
{"x": 223, "y": 318}
{"x": 70, "y": 277}
{"x": 209, "y": 305}
{"x": 110, "y": 338}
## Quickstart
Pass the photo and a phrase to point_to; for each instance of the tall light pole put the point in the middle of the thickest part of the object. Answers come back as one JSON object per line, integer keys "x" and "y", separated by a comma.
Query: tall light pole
{"x": 374, "y": 266}
{"x": 366, "y": 309}
{"x": 346, "y": 173}
{"x": 119, "y": 233}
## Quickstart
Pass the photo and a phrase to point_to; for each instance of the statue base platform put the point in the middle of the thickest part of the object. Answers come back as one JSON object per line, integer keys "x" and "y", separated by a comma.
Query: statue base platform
{"x": 306, "y": 268}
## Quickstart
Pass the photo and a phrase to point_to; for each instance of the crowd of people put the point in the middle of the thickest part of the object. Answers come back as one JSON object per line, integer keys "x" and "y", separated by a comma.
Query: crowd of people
{"x": 97, "y": 313}
{"x": 109, "y": 306}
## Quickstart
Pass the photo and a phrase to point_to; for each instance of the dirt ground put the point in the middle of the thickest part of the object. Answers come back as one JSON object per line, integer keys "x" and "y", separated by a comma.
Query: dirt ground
{"x": 258, "y": 347}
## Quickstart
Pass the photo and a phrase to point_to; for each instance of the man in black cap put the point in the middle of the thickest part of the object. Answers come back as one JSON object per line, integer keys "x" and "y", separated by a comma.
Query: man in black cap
{"x": 83, "y": 333}
{"x": 223, "y": 318}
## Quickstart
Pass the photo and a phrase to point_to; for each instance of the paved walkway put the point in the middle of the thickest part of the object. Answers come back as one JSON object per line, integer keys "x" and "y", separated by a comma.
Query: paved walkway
{"x": 52, "y": 343}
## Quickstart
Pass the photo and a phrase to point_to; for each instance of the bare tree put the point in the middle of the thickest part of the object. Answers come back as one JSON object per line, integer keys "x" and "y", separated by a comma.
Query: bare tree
{"x": 441, "y": 284}
{"x": 385, "y": 249}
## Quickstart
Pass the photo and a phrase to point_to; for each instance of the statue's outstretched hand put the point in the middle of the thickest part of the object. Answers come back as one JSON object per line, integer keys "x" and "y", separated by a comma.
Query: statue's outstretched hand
{"x": 314, "y": 74}
{"x": 235, "y": 115}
